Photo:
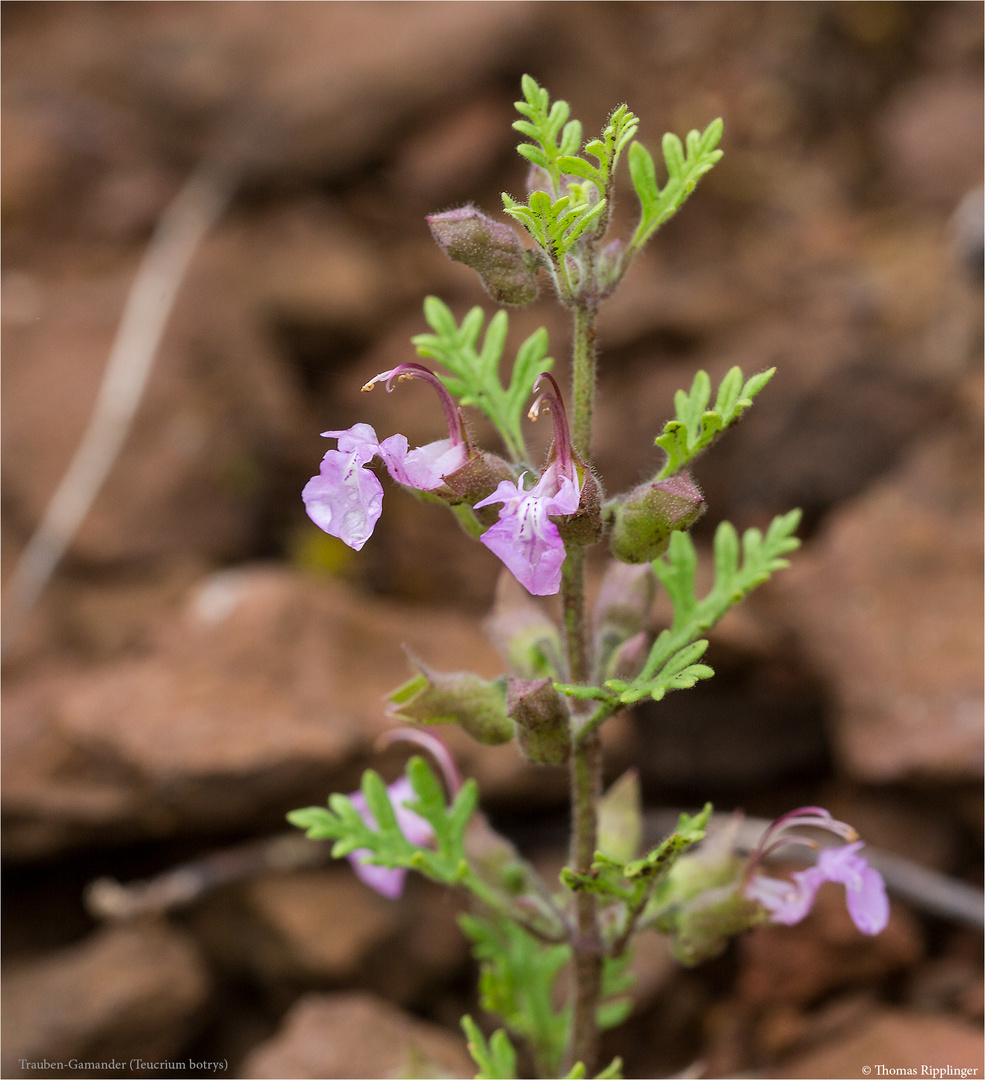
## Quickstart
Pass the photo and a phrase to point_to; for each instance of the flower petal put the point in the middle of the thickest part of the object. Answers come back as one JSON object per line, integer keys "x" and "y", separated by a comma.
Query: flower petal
{"x": 786, "y": 901}
{"x": 867, "y": 902}
{"x": 525, "y": 538}
{"x": 387, "y": 881}
{"x": 534, "y": 554}
{"x": 345, "y": 499}
{"x": 360, "y": 439}
{"x": 425, "y": 467}
{"x": 865, "y": 891}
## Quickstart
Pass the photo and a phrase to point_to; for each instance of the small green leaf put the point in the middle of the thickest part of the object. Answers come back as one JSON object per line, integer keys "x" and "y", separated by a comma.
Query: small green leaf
{"x": 684, "y": 170}
{"x": 671, "y": 661}
{"x": 695, "y": 427}
{"x": 383, "y": 840}
{"x": 517, "y": 982}
{"x": 496, "y": 1058}
{"x": 475, "y": 378}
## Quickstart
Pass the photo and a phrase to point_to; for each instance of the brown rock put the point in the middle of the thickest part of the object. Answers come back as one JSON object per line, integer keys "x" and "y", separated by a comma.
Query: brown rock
{"x": 264, "y": 693}
{"x": 320, "y": 88}
{"x": 356, "y": 1035}
{"x": 888, "y": 604}
{"x": 786, "y": 965}
{"x": 894, "y": 1041}
{"x": 132, "y": 991}
{"x": 325, "y": 920}
{"x": 218, "y": 413}
{"x": 931, "y": 131}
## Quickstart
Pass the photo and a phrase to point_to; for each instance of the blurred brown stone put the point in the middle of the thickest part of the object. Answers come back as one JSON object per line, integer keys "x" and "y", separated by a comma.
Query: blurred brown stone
{"x": 326, "y": 920}
{"x": 216, "y": 422}
{"x": 356, "y": 1035}
{"x": 800, "y": 964}
{"x": 889, "y": 605}
{"x": 263, "y": 692}
{"x": 932, "y": 133}
{"x": 260, "y": 690}
{"x": 125, "y": 992}
{"x": 897, "y": 1041}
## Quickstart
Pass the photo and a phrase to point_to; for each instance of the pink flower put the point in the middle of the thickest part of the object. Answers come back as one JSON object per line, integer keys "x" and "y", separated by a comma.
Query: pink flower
{"x": 387, "y": 881}
{"x": 789, "y": 901}
{"x": 345, "y": 499}
{"x": 525, "y": 538}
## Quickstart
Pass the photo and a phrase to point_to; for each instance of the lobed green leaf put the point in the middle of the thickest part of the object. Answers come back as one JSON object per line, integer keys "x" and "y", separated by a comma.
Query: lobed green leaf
{"x": 695, "y": 427}
{"x": 684, "y": 168}
{"x": 475, "y": 369}
{"x": 496, "y": 1057}
{"x": 735, "y": 577}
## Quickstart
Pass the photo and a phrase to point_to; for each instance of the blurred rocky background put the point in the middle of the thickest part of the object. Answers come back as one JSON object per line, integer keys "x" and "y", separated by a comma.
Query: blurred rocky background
{"x": 205, "y": 660}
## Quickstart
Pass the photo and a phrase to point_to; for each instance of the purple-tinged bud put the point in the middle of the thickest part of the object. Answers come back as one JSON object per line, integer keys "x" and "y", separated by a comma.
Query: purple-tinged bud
{"x": 584, "y": 527}
{"x": 524, "y": 636}
{"x": 703, "y": 904}
{"x": 627, "y": 659}
{"x": 620, "y": 819}
{"x": 542, "y": 720}
{"x": 621, "y": 618}
{"x": 477, "y": 705}
{"x": 539, "y": 179}
{"x": 478, "y": 478}
{"x": 644, "y": 519}
{"x": 609, "y": 267}
{"x": 492, "y": 249}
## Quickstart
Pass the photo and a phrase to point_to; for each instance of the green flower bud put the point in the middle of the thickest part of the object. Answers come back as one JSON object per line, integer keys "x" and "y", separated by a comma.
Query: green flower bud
{"x": 701, "y": 900}
{"x": 460, "y": 697}
{"x": 621, "y": 618}
{"x": 542, "y": 720}
{"x": 478, "y": 478}
{"x": 702, "y": 928}
{"x": 492, "y": 249}
{"x": 643, "y": 520}
{"x": 528, "y": 641}
{"x": 584, "y": 526}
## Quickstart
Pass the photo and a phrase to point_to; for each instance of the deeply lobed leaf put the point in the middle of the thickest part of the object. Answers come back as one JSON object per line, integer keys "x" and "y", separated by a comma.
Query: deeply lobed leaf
{"x": 695, "y": 427}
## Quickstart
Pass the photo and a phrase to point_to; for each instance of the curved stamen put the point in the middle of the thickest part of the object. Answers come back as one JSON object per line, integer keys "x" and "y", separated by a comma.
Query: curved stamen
{"x": 562, "y": 437}
{"x": 814, "y": 817}
{"x": 434, "y": 746}
{"x": 411, "y": 370}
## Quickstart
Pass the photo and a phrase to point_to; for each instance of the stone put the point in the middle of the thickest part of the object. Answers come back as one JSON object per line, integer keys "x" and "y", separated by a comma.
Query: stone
{"x": 897, "y": 1040}
{"x": 315, "y": 93}
{"x": 930, "y": 133}
{"x": 887, "y": 604}
{"x": 263, "y": 692}
{"x": 325, "y": 1036}
{"x": 124, "y": 992}
{"x": 216, "y": 421}
{"x": 797, "y": 965}
{"x": 325, "y": 920}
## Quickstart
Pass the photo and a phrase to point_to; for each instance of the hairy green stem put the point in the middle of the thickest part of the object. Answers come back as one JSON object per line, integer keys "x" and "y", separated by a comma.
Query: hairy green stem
{"x": 586, "y": 754}
{"x": 583, "y": 377}
{"x": 586, "y": 785}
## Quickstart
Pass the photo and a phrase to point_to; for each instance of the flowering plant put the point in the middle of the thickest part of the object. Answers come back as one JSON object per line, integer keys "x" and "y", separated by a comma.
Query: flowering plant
{"x": 563, "y": 683}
